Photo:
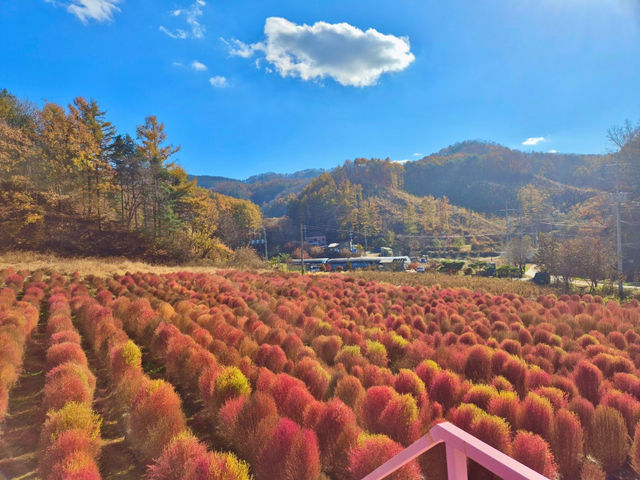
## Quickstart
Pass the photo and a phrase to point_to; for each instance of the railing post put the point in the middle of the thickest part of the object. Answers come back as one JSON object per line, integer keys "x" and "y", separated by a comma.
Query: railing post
{"x": 456, "y": 463}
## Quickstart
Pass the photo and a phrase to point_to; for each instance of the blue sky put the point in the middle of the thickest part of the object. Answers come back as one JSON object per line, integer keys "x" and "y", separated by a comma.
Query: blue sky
{"x": 286, "y": 85}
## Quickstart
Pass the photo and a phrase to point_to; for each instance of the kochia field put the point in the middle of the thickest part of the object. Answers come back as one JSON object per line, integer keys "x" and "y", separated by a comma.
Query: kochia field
{"x": 237, "y": 375}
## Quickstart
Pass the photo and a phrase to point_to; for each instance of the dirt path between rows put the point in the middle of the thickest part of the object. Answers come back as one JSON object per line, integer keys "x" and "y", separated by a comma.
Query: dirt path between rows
{"x": 20, "y": 434}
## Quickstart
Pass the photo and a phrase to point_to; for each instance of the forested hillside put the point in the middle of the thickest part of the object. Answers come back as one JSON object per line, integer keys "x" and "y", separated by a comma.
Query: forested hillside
{"x": 367, "y": 196}
{"x": 70, "y": 182}
{"x": 272, "y": 191}
{"x": 487, "y": 177}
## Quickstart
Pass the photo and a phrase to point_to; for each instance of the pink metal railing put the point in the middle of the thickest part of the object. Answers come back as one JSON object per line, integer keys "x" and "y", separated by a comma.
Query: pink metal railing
{"x": 459, "y": 446}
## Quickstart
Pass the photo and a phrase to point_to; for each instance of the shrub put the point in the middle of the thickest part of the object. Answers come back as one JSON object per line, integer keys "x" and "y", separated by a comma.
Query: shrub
{"x": 626, "y": 404}
{"x": 463, "y": 415}
{"x": 587, "y": 378}
{"x": 477, "y": 367}
{"x": 592, "y": 471}
{"x": 399, "y": 419}
{"x": 427, "y": 371}
{"x": 124, "y": 356}
{"x": 271, "y": 357}
{"x": 65, "y": 352}
{"x": 179, "y": 458}
{"x": 375, "y": 401}
{"x": 313, "y": 375}
{"x": 350, "y": 391}
{"x": 493, "y": 431}
{"x": 337, "y": 434}
{"x": 635, "y": 450}
{"x": 231, "y": 383}
{"x": 531, "y": 450}
{"x": 77, "y": 466}
{"x": 72, "y": 416}
{"x": 155, "y": 418}
{"x": 291, "y": 454}
{"x": 68, "y": 382}
{"x": 372, "y": 451}
{"x": 444, "y": 389}
{"x": 66, "y": 443}
{"x": 480, "y": 395}
{"x": 536, "y": 415}
{"x": 407, "y": 381}
{"x": 506, "y": 405}
{"x": 567, "y": 443}
{"x": 609, "y": 442}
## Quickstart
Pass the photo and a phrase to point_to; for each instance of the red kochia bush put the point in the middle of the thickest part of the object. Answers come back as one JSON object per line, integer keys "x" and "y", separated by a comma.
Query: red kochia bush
{"x": 635, "y": 450}
{"x": 609, "y": 442}
{"x": 155, "y": 418}
{"x": 272, "y": 357}
{"x": 477, "y": 367}
{"x": 313, "y": 375}
{"x": 588, "y": 378}
{"x": 626, "y": 404}
{"x": 337, "y": 433}
{"x": 505, "y": 405}
{"x": 567, "y": 443}
{"x": 65, "y": 352}
{"x": 444, "y": 389}
{"x": 407, "y": 381}
{"x": 375, "y": 401}
{"x": 531, "y": 450}
{"x": 493, "y": 431}
{"x": 67, "y": 442}
{"x": 536, "y": 415}
{"x": 68, "y": 382}
{"x": 350, "y": 391}
{"x": 291, "y": 454}
{"x": 371, "y": 452}
{"x": 399, "y": 419}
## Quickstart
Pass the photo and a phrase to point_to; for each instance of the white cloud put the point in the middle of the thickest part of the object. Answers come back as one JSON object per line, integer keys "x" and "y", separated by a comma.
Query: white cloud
{"x": 85, "y": 10}
{"x": 418, "y": 154}
{"x": 400, "y": 161}
{"x": 197, "y": 66}
{"x": 341, "y": 51}
{"x": 192, "y": 16}
{"x": 241, "y": 49}
{"x": 532, "y": 141}
{"x": 179, "y": 33}
{"x": 553, "y": 151}
{"x": 177, "y": 64}
{"x": 218, "y": 81}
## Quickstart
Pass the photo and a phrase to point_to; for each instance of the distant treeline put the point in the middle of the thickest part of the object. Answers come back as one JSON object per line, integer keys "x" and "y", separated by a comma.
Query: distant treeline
{"x": 70, "y": 182}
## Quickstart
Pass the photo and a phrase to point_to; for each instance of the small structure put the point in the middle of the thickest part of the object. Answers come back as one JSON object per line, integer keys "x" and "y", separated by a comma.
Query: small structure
{"x": 355, "y": 263}
{"x": 317, "y": 240}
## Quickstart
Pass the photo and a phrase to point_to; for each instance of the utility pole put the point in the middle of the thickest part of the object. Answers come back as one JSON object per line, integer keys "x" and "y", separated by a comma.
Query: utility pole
{"x": 302, "y": 247}
{"x": 618, "y": 229}
{"x": 266, "y": 252}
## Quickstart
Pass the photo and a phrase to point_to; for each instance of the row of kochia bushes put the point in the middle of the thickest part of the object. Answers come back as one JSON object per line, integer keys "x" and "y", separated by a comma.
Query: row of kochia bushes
{"x": 529, "y": 377}
{"x": 18, "y": 319}
{"x": 70, "y": 440}
{"x": 155, "y": 422}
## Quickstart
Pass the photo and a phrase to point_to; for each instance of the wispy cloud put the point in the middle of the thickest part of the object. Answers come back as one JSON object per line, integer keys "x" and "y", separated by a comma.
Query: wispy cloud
{"x": 191, "y": 17}
{"x": 341, "y": 51}
{"x": 401, "y": 161}
{"x": 532, "y": 141}
{"x": 218, "y": 81}
{"x": 553, "y": 151}
{"x": 241, "y": 49}
{"x": 85, "y": 10}
{"x": 418, "y": 154}
{"x": 197, "y": 66}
